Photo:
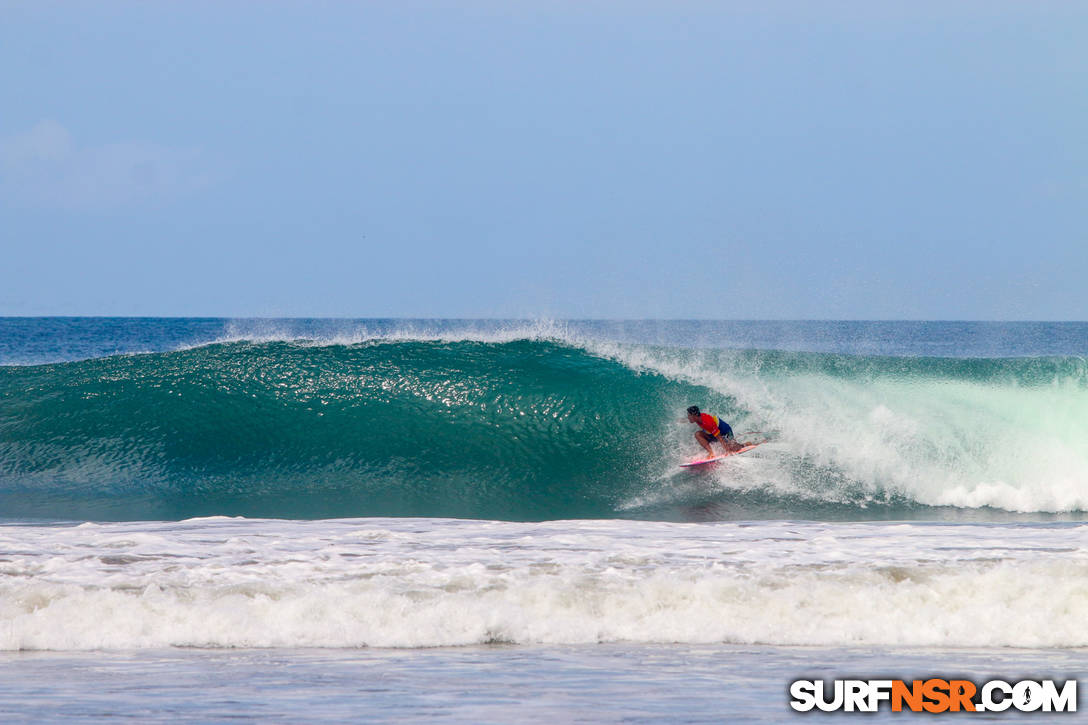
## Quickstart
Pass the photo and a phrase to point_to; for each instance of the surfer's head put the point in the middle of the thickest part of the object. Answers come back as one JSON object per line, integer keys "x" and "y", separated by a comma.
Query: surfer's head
{"x": 693, "y": 412}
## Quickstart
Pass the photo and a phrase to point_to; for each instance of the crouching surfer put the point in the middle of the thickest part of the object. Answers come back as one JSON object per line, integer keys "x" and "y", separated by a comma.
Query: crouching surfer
{"x": 713, "y": 428}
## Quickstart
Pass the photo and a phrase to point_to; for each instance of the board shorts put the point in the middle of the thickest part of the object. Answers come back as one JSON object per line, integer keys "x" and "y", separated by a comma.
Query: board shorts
{"x": 724, "y": 431}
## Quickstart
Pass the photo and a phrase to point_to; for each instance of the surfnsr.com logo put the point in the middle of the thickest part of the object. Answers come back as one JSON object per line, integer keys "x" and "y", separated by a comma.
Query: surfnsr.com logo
{"x": 933, "y": 695}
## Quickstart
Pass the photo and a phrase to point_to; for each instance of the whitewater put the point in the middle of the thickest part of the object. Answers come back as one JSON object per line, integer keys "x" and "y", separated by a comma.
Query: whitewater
{"x": 349, "y": 495}
{"x": 442, "y": 582}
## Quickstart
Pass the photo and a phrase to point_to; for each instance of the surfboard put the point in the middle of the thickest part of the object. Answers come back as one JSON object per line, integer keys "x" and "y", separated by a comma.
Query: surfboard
{"x": 704, "y": 461}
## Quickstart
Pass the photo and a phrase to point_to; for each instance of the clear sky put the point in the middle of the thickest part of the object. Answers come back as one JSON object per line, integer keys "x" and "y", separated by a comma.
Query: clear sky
{"x": 532, "y": 158}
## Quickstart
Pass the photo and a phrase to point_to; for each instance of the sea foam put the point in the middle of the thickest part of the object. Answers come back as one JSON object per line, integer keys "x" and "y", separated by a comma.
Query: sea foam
{"x": 430, "y": 582}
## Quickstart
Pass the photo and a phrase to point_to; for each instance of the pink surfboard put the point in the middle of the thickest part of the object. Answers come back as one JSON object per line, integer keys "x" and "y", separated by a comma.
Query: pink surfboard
{"x": 704, "y": 461}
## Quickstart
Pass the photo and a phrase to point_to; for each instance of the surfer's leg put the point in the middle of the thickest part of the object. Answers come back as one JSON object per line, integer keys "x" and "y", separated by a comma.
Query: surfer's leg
{"x": 704, "y": 441}
{"x": 730, "y": 444}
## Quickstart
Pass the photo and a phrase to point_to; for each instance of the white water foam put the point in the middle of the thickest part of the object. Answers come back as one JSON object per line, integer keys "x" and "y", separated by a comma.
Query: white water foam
{"x": 937, "y": 441}
{"x": 427, "y": 582}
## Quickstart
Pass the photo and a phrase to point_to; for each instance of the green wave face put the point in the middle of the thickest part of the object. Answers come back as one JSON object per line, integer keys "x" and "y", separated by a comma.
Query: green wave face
{"x": 517, "y": 430}
{"x": 532, "y": 430}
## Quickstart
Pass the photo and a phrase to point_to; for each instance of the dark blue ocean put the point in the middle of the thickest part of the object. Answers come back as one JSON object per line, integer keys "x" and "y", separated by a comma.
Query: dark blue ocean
{"x": 470, "y": 520}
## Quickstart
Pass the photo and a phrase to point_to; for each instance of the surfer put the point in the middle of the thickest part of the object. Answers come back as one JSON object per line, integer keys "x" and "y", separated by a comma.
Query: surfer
{"x": 713, "y": 428}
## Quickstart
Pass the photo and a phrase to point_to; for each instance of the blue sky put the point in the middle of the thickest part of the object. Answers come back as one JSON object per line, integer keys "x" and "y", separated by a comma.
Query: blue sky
{"x": 762, "y": 160}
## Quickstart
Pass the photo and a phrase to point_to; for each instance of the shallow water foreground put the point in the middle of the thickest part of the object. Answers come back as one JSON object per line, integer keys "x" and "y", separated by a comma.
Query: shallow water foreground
{"x": 511, "y": 684}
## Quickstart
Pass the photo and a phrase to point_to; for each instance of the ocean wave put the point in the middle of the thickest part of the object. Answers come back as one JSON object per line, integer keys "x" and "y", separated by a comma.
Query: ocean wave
{"x": 531, "y": 423}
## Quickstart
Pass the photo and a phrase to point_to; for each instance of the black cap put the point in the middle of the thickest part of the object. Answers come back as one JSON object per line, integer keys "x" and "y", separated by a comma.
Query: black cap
{"x": 693, "y": 410}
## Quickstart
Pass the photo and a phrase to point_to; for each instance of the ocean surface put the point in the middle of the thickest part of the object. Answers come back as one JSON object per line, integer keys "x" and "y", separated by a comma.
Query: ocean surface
{"x": 214, "y": 519}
